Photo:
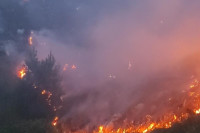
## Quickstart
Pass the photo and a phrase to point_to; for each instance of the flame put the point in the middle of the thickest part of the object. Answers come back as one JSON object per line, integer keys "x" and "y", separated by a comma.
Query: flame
{"x": 147, "y": 126}
{"x": 43, "y": 92}
{"x": 22, "y": 72}
{"x": 197, "y": 111}
{"x": 49, "y": 94}
{"x": 30, "y": 40}
{"x": 190, "y": 102}
{"x": 167, "y": 120}
{"x": 101, "y": 129}
{"x": 194, "y": 84}
{"x": 55, "y": 121}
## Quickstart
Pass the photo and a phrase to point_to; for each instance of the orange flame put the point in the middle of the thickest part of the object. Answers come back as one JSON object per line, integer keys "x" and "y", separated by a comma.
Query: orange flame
{"x": 30, "y": 40}
{"x": 167, "y": 120}
{"x": 55, "y": 121}
{"x": 197, "y": 111}
{"x": 22, "y": 72}
{"x": 43, "y": 92}
{"x": 49, "y": 94}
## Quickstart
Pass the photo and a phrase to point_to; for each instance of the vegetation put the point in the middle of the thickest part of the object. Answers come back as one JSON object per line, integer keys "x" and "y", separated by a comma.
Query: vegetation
{"x": 192, "y": 125}
{"x": 23, "y": 108}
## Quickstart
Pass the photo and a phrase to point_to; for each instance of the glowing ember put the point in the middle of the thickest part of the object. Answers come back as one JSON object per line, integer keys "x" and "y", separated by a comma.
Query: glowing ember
{"x": 194, "y": 84}
{"x": 74, "y": 67}
{"x": 55, "y": 121}
{"x": 197, "y": 111}
{"x": 30, "y": 40}
{"x": 43, "y": 92}
{"x": 65, "y": 67}
{"x": 48, "y": 94}
{"x": 22, "y": 72}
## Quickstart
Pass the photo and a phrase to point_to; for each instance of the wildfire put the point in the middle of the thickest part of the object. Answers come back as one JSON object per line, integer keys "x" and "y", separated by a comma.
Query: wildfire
{"x": 166, "y": 121}
{"x": 55, "y": 121}
{"x": 147, "y": 126}
{"x": 191, "y": 102}
{"x": 22, "y": 72}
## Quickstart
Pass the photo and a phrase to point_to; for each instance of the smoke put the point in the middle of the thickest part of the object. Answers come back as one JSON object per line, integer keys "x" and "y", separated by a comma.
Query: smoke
{"x": 127, "y": 54}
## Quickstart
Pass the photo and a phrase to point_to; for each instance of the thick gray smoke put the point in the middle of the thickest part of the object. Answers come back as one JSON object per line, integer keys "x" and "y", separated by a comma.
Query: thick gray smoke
{"x": 125, "y": 52}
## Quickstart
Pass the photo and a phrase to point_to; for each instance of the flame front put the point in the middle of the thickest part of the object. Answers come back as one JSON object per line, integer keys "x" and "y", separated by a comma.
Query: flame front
{"x": 146, "y": 127}
{"x": 166, "y": 121}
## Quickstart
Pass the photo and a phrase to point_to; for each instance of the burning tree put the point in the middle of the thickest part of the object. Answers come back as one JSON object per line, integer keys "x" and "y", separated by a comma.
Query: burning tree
{"x": 44, "y": 75}
{"x": 23, "y": 104}
{"x": 23, "y": 108}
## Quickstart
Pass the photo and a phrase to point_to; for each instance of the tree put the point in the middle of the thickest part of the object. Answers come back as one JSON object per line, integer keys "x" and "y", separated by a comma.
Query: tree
{"x": 21, "y": 102}
{"x": 45, "y": 75}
